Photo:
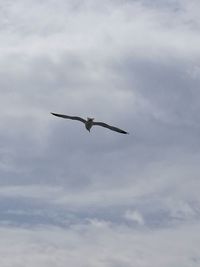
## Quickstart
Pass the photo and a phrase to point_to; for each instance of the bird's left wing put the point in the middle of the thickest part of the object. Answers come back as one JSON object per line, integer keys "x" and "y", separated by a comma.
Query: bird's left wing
{"x": 69, "y": 117}
{"x": 113, "y": 128}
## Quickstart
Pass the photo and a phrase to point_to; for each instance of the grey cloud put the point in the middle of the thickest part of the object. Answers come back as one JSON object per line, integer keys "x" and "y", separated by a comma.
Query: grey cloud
{"x": 122, "y": 62}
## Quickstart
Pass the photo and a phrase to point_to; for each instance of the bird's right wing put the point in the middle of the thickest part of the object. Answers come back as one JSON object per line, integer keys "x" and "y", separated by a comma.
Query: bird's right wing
{"x": 113, "y": 128}
{"x": 69, "y": 117}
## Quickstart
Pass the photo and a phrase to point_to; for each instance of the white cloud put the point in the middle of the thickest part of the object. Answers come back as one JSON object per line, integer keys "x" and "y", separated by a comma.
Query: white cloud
{"x": 134, "y": 216}
{"x": 86, "y": 245}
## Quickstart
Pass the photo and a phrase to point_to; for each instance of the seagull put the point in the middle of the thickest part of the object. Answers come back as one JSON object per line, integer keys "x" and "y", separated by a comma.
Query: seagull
{"x": 90, "y": 122}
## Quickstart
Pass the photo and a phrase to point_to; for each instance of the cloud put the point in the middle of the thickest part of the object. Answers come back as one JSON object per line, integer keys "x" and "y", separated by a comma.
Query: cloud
{"x": 98, "y": 247}
{"x": 110, "y": 199}
{"x": 134, "y": 216}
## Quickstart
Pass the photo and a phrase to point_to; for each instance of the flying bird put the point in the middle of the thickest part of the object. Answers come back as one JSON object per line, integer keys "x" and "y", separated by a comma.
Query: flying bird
{"x": 90, "y": 122}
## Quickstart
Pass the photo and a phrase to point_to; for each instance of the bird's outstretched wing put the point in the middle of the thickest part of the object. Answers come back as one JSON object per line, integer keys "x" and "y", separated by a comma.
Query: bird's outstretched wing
{"x": 69, "y": 117}
{"x": 109, "y": 127}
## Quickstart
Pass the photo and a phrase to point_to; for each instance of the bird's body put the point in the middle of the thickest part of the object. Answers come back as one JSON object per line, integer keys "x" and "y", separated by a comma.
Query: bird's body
{"x": 90, "y": 122}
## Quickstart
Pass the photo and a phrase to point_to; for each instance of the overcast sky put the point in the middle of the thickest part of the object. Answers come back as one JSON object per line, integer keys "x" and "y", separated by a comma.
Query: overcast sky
{"x": 100, "y": 199}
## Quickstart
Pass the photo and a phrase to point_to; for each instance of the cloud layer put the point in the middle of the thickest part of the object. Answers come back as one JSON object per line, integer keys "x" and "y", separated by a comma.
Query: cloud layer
{"x": 100, "y": 198}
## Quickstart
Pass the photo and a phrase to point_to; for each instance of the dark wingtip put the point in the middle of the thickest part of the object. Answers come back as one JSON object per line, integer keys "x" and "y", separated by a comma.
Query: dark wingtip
{"x": 123, "y": 132}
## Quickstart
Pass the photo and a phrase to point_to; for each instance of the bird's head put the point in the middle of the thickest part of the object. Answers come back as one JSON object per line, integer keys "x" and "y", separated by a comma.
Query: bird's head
{"x": 90, "y": 119}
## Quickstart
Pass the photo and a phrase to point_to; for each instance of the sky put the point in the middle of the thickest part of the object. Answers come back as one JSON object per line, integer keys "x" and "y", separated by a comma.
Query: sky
{"x": 100, "y": 199}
